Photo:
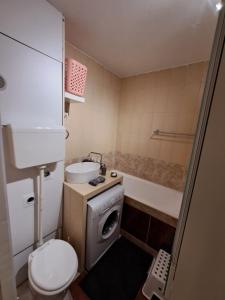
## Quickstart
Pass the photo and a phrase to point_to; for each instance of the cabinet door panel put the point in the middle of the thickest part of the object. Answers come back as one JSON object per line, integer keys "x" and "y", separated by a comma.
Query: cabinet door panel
{"x": 135, "y": 222}
{"x": 35, "y": 23}
{"x": 32, "y": 95}
{"x": 161, "y": 235}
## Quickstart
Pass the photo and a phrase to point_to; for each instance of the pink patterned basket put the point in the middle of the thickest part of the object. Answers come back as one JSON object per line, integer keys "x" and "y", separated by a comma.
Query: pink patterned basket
{"x": 75, "y": 77}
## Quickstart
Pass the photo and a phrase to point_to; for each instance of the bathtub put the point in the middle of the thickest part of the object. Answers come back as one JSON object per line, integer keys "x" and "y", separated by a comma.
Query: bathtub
{"x": 157, "y": 197}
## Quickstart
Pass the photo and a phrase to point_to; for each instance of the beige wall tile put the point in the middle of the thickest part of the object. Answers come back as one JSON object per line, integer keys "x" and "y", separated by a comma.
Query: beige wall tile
{"x": 185, "y": 122}
{"x": 93, "y": 125}
{"x": 168, "y": 100}
{"x": 120, "y": 115}
{"x": 179, "y": 154}
{"x": 165, "y": 151}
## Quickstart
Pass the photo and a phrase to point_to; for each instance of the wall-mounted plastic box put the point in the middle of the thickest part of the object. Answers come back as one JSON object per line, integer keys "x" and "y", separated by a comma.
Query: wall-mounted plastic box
{"x": 36, "y": 146}
{"x": 75, "y": 77}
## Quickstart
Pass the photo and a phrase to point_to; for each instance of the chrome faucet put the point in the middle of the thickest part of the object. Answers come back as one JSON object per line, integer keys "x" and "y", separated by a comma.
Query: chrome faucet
{"x": 90, "y": 158}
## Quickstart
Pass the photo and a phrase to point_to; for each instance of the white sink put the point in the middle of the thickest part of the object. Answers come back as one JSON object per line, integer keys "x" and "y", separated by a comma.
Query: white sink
{"x": 82, "y": 172}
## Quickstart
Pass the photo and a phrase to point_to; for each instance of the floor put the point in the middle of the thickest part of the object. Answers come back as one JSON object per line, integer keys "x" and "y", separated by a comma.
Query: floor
{"x": 76, "y": 290}
{"x": 24, "y": 292}
{"x": 79, "y": 294}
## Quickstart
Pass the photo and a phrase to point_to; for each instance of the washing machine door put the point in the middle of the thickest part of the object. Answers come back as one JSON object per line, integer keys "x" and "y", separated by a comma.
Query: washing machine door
{"x": 109, "y": 222}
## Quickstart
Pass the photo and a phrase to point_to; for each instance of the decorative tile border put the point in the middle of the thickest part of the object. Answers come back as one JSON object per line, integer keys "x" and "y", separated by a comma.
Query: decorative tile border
{"x": 167, "y": 174}
{"x": 158, "y": 171}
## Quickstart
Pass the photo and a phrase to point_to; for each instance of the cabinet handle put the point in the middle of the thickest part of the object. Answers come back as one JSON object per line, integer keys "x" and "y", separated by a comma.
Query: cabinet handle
{"x": 67, "y": 134}
{"x": 2, "y": 83}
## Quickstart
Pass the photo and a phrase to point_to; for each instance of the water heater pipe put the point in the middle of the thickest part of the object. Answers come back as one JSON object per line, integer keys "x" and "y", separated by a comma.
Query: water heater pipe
{"x": 40, "y": 205}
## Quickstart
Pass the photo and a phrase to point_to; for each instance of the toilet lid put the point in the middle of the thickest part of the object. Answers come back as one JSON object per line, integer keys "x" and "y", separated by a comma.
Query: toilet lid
{"x": 53, "y": 265}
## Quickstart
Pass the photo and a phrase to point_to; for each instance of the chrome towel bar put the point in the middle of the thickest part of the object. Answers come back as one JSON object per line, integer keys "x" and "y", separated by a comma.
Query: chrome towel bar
{"x": 172, "y": 134}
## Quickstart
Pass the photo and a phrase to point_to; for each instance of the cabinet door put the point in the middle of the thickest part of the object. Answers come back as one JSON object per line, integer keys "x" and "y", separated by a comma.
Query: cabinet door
{"x": 35, "y": 23}
{"x": 32, "y": 95}
{"x": 161, "y": 235}
{"x": 135, "y": 222}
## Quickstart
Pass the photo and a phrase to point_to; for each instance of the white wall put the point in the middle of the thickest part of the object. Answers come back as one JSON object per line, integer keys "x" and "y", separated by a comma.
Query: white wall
{"x": 7, "y": 282}
{"x": 31, "y": 63}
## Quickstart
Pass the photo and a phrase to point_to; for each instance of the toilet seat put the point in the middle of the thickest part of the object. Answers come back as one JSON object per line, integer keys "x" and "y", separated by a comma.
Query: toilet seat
{"x": 52, "y": 267}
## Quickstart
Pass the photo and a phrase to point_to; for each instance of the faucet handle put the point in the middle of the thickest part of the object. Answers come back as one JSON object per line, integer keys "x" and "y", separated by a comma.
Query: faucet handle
{"x": 92, "y": 156}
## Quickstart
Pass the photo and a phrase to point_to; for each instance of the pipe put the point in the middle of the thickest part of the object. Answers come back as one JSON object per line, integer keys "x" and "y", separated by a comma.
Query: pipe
{"x": 40, "y": 205}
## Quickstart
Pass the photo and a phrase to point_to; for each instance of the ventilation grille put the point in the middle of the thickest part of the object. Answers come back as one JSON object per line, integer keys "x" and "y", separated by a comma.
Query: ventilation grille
{"x": 158, "y": 274}
{"x": 75, "y": 77}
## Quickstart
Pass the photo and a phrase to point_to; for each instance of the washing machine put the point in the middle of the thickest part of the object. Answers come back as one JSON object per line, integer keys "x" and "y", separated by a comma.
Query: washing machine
{"x": 103, "y": 223}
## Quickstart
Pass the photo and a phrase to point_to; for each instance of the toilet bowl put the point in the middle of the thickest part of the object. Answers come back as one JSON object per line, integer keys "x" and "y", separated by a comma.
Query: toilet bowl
{"x": 51, "y": 269}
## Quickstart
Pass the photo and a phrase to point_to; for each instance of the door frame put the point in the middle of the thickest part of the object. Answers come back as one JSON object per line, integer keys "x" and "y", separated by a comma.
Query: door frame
{"x": 7, "y": 277}
{"x": 214, "y": 64}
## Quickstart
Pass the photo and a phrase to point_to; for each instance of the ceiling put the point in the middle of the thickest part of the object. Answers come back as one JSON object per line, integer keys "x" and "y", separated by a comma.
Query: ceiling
{"x": 130, "y": 37}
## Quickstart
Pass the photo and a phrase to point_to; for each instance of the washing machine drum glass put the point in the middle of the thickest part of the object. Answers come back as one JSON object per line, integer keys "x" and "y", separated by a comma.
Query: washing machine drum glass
{"x": 110, "y": 224}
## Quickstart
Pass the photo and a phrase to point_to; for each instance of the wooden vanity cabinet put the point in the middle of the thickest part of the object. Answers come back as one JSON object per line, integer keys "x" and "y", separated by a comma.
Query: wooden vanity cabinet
{"x": 76, "y": 197}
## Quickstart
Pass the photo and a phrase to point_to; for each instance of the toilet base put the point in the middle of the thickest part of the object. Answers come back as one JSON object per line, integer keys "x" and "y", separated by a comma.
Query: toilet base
{"x": 65, "y": 295}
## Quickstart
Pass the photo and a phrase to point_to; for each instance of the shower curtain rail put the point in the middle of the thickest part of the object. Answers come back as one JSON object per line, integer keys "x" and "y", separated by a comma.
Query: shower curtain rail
{"x": 172, "y": 134}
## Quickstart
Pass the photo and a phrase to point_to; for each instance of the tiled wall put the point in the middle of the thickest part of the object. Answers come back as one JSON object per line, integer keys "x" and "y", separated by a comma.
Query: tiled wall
{"x": 93, "y": 125}
{"x": 120, "y": 115}
{"x": 168, "y": 100}
{"x": 159, "y": 171}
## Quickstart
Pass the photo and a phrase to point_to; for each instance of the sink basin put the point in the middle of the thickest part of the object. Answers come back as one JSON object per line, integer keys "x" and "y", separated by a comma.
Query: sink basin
{"x": 82, "y": 172}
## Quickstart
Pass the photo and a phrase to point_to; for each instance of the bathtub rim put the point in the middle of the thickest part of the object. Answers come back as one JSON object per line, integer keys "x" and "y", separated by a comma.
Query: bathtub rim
{"x": 130, "y": 199}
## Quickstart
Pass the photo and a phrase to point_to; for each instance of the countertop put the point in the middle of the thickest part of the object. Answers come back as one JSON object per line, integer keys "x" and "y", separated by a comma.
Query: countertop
{"x": 88, "y": 191}
{"x": 164, "y": 209}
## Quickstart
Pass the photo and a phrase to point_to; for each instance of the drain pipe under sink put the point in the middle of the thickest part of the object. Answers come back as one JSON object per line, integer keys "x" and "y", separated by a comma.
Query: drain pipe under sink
{"x": 40, "y": 205}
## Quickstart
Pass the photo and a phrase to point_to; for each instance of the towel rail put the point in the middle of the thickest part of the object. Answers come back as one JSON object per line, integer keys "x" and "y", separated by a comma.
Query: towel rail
{"x": 172, "y": 134}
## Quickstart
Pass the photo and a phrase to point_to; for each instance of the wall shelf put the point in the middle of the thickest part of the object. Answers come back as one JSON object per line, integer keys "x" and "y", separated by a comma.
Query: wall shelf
{"x": 73, "y": 98}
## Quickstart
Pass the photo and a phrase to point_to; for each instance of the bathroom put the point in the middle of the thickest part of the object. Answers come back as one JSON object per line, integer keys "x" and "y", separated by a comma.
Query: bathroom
{"x": 139, "y": 122}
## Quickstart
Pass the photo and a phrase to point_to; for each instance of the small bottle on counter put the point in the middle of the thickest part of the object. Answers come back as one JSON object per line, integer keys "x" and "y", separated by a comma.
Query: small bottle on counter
{"x": 103, "y": 169}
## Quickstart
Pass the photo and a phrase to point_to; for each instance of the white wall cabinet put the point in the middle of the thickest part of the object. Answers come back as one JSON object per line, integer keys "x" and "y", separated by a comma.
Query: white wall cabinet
{"x": 31, "y": 50}
{"x": 35, "y": 23}
{"x": 33, "y": 92}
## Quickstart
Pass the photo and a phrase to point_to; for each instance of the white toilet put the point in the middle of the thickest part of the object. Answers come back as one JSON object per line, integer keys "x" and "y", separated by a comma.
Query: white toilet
{"x": 51, "y": 269}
